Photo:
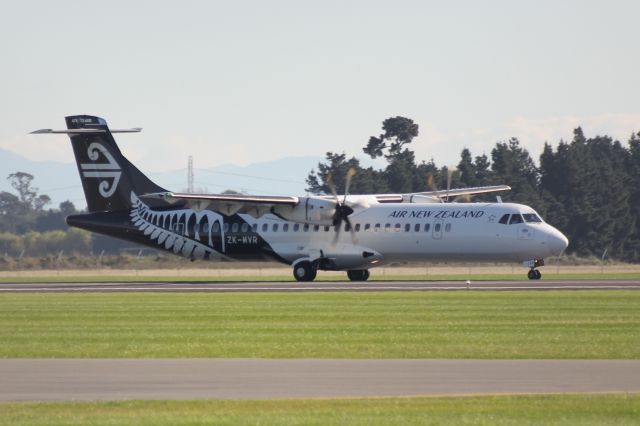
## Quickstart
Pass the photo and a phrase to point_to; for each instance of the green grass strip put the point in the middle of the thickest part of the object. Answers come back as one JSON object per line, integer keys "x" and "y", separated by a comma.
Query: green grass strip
{"x": 501, "y": 325}
{"x": 490, "y": 410}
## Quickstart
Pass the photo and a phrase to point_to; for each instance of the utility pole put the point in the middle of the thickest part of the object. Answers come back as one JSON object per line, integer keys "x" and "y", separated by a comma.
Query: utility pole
{"x": 190, "y": 175}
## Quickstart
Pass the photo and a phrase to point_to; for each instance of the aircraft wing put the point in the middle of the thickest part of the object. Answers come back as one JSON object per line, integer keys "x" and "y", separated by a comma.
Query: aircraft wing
{"x": 442, "y": 194}
{"x": 256, "y": 205}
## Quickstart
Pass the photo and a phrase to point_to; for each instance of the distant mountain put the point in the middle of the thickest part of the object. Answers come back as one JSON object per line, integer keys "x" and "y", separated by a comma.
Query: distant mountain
{"x": 285, "y": 176}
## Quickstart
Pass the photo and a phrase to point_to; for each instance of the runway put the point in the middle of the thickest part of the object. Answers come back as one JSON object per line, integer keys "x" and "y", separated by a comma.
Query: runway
{"x": 320, "y": 286}
{"x": 118, "y": 379}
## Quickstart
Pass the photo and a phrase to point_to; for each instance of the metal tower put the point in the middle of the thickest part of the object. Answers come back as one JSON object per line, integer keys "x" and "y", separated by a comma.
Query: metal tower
{"x": 190, "y": 175}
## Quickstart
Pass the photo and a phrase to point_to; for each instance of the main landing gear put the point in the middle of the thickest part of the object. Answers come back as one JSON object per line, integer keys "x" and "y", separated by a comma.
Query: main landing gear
{"x": 358, "y": 274}
{"x": 305, "y": 271}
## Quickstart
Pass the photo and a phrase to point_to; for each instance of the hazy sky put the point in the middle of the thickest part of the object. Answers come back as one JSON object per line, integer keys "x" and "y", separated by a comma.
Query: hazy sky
{"x": 248, "y": 81}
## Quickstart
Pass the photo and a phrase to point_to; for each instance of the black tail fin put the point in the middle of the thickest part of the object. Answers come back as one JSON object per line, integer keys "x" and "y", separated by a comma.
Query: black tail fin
{"x": 108, "y": 178}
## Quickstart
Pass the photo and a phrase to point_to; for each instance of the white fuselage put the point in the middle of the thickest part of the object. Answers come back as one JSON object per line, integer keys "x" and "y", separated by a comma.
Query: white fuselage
{"x": 417, "y": 232}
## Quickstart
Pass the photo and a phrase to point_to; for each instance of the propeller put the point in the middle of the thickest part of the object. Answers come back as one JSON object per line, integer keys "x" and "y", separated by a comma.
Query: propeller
{"x": 432, "y": 186}
{"x": 342, "y": 209}
{"x": 450, "y": 171}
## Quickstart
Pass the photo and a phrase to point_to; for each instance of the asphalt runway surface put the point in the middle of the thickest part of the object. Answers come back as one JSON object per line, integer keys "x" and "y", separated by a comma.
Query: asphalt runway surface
{"x": 322, "y": 286}
{"x": 118, "y": 379}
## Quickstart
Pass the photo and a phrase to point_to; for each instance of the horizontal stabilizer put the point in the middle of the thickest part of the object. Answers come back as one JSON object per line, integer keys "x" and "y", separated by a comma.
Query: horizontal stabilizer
{"x": 85, "y": 130}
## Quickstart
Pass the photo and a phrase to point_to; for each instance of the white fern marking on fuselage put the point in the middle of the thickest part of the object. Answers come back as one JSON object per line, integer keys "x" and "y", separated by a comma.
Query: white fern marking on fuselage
{"x": 170, "y": 229}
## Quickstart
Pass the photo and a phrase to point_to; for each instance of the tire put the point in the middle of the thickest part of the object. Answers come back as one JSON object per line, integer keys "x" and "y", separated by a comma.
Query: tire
{"x": 532, "y": 274}
{"x": 358, "y": 275}
{"x": 538, "y": 275}
{"x": 304, "y": 271}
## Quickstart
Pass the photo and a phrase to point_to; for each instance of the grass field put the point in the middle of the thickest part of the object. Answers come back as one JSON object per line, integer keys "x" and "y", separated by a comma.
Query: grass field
{"x": 23, "y": 277}
{"x": 490, "y": 410}
{"x": 590, "y": 325}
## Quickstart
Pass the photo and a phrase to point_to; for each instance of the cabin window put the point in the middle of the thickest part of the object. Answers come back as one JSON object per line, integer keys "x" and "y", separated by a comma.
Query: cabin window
{"x": 326, "y": 228}
{"x": 285, "y": 227}
{"x": 254, "y": 227}
{"x": 416, "y": 228}
{"x": 196, "y": 228}
{"x": 205, "y": 227}
{"x": 296, "y": 227}
{"x": 225, "y": 227}
{"x": 531, "y": 218}
{"x": 216, "y": 227}
{"x": 437, "y": 227}
{"x": 377, "y": 227}
{"x": 274, "y": 228}
{"x": 515, "y": 218}
{"x": 347, "y": 228}
{"x": 397, "y": 227}
{"x": 265, "y": 227}
{"x": 316, "y": 228}
{"x": 504, "y": 219}
{"x": 234, "y": 227}
{"x": 305, "y": 228}
{"x": 427, "y": 227}
{"x": 387, "y": 227}
{"x": 447, "y": 227}
{"x": 244, "y": 228}
{"x": 357, "y": 227}
{"x": 367, "y": 226}
{"x": 407, "y": 227}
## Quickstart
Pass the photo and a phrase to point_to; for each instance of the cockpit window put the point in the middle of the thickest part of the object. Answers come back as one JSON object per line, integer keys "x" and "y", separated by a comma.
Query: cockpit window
{"x": 531, "y": 218}
{"x": 504, "y": 219}
{"x": 515, "y": 218}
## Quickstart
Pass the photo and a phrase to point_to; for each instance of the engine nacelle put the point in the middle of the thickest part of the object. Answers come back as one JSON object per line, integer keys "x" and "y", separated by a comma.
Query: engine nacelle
{"x": 421, "y": 199}
{"x": 312, "y": 210}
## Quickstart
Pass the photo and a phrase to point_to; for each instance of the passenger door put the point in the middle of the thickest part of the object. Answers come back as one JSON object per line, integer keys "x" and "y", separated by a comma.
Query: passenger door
{"x": 437, "y": 230}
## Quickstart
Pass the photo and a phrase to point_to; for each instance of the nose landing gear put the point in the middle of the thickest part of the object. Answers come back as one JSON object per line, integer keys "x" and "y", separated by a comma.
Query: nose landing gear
{"x": 534, "y": 274}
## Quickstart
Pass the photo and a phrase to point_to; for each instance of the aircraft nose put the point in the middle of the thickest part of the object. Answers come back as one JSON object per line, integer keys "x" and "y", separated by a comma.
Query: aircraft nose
{"x": 557, "y": 241}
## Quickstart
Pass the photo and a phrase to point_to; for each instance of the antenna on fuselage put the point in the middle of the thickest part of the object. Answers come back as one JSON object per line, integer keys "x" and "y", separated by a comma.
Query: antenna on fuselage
{"x": 499, "y": 198}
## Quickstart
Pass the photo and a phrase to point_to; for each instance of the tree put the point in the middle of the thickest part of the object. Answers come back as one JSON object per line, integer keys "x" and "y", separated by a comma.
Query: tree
{"x": 21, "y": 182}
{"x": 512, "y": 165}
{"x": 398, "y": 131}
{"x": 467, "y": 169}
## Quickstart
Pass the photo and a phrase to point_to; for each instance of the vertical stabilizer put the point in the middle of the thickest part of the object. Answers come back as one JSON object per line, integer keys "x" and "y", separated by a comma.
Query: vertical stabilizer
{"x": 108, "y": 178}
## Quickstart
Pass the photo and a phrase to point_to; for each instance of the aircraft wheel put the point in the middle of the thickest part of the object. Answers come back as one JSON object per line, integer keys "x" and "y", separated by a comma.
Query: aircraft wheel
{"x": 538, "y": 274}
{"x": 532, "y": 274}
{"x": 358, "y": 275}
{"x": 304, "y": 271}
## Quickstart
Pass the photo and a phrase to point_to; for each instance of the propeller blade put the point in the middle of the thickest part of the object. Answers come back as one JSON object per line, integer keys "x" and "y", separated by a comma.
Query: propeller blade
{"x": 450, "y": 171}
{"x": 352, "y": 231}
{"x": 350, "y": 173}
{"x": 332, "y": 187}
{"x": 336, "y": 237}
{"x": 432, "y": 186}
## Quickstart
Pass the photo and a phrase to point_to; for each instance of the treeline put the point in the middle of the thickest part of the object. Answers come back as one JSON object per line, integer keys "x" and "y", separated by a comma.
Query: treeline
{"x": 589, "y": 188}
{"x": 27, "y": 228}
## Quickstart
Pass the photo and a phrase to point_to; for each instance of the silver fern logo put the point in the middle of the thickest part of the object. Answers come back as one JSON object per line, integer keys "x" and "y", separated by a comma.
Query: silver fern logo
{"x": 110, "y": 171}
{"x": 188, "y": 233}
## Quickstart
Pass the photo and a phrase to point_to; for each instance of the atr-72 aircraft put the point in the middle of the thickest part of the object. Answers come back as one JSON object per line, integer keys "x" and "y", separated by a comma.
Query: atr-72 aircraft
{"x": 351, "y": 233}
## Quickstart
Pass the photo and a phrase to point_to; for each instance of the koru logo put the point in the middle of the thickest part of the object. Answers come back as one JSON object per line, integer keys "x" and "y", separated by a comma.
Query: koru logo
{"x": 110, "y": 171}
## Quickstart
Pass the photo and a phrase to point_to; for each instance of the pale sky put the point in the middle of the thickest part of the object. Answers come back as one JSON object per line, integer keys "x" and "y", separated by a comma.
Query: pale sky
{"x": 242, "y": 82}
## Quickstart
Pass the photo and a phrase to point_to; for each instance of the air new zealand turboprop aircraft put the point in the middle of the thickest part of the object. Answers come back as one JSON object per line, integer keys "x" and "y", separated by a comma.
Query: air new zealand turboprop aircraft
{"x": 304, "y": 232}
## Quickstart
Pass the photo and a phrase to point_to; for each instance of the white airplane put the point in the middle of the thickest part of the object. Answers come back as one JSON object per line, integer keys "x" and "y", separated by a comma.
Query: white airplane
{"x": 352, "y": 233}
